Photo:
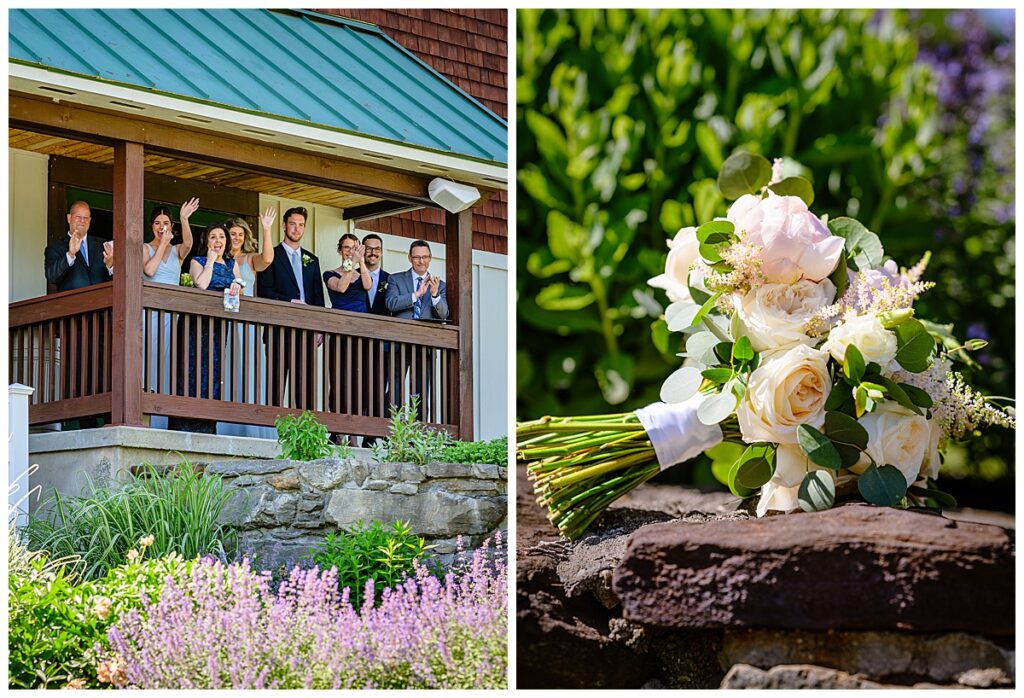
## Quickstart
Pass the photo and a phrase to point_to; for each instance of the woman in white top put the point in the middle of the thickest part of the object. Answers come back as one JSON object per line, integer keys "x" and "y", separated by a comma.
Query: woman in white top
{"x": 161, "y": 263}
{"x": 249, "y": 261}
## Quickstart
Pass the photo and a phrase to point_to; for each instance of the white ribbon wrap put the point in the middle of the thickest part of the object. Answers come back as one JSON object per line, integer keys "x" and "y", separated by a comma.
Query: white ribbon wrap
{"x": 676, "y": 433}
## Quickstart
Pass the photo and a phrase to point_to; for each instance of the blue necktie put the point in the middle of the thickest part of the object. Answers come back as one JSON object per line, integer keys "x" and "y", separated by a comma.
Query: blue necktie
{"x": 417, "y": 308}
{"x": 297, "y": 270}
{"x": 85, "y": 255}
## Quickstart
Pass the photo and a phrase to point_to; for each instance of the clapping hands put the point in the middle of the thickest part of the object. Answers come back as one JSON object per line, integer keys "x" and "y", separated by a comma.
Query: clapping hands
{"x": 358, "y": 254}
{"x": 435, "y": 285}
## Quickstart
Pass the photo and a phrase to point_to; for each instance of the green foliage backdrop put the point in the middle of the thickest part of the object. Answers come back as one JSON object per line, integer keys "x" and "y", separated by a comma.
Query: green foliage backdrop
{"x": 623, "y": 120}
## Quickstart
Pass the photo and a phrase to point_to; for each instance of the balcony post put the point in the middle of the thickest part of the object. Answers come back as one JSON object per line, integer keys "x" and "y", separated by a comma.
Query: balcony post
{"x": 458, "y": 238}
{"x": 126, "y": 352}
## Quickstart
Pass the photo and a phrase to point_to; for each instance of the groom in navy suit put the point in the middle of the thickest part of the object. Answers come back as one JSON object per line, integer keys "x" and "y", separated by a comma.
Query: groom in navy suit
{"x": 294, "y": 276}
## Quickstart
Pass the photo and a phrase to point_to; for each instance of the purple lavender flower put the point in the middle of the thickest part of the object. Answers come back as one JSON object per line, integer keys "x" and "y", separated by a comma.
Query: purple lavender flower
{"x": 226, "y": 628}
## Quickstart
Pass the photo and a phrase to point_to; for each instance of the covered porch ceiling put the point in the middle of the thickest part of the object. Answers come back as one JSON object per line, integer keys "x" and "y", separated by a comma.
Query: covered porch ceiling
{"x": 177, "y": 167}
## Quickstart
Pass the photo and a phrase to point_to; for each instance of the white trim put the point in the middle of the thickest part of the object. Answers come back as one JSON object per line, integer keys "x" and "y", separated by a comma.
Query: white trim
{"x": 103, "y": 95}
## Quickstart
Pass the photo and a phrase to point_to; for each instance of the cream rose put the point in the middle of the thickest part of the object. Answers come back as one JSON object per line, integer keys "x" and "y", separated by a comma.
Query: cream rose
{"x": 796, "y": 244}
{"x": 867, "y": 334}
{"x": 683, "y": 252}
{"x": 773, "y": 316}
{"x": 781, "y": 492}
{"x": 898, "y": 437}
{"x": 787, "y": 390}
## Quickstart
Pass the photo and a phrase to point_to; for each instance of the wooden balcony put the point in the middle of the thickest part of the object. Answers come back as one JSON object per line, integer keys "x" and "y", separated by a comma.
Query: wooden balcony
{"x": 200, "y": 361}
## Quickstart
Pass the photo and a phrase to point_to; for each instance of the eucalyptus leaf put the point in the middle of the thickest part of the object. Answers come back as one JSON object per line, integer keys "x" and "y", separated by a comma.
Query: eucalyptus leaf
{"x": 753, "y": 469}
{"x": 817, "y": 447}
{"x": 939, "y": 496}
{"x": 883, "y": 486}
{"x": 895, "y": 392}
{"x": 817, "y": 491}
{"x": 917, "y": 396}
{"x": 680, "y": 315}
{"x": 681, "y": 385}
{"x": 845, "y": 429}
{"x": 743, "y": 173}
{"x": 914, "y": 346}
{"x": 716, "y": 408}
{"x": 839, "y": 276}
{"x": 840, "y": 393}
{"x": 862, "y": 246}
{"x": 700, "y": 346}
{"x": 795, "y": 186}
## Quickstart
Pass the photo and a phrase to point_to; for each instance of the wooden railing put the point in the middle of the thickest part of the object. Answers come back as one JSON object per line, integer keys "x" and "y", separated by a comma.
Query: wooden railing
{"x": 251, "y": 366}
{"x": 60, "y": 345}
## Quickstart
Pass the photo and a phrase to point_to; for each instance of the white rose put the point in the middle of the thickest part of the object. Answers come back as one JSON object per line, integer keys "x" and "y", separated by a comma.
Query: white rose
{"x": 898, "y": 437}
{"x": 773, "y": 316}
{"x": 796, "y": 244}
{"x": 867, "y": 334}
{"x": 932, "y": 461}
{"x": 781, "y": 492}
{"x": 683, "y": 252}
{"x": 787, "y": 390}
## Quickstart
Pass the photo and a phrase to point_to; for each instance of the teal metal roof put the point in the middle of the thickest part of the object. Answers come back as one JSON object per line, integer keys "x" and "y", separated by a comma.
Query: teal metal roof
{"x": 297, "y": 65}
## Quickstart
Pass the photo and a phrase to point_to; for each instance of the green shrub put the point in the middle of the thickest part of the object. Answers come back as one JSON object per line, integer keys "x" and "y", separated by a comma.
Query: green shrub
{"x": 494, "y": 452}
{"x": 179, "y": 508}
{"x": 385, "y": 555}
{"x": 305, "y": 438}
{"x": 409, "y": 440}
{"x": 55, "y": 622}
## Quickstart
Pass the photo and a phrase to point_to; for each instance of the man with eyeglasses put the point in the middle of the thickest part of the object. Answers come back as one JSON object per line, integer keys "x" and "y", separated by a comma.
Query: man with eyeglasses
{"x": 416, "y": 294}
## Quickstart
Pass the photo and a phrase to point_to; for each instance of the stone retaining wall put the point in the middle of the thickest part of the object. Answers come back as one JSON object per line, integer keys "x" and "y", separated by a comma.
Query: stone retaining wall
{"x": 283, "y": 507}
{"x": 674, "y": 588}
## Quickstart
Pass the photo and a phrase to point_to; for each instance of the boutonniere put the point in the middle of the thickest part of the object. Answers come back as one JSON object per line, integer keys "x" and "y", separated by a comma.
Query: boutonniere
{"x": 306, "y": 260}
{"x": 385, "y": 286}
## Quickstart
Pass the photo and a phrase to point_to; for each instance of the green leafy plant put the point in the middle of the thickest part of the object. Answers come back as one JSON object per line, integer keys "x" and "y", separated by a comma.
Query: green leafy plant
{"x": 494, "y": 452}
{"x": 56, "y": 622}
{"x": 303, "y": 437}
{"x": 385, "y": 555}
{"x": 409, "y": 440}
{"x": 179, "y": 508}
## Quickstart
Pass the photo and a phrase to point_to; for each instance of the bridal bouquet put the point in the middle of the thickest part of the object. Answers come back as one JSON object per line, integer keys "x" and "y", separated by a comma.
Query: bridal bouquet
{"x": 806, "y": 374}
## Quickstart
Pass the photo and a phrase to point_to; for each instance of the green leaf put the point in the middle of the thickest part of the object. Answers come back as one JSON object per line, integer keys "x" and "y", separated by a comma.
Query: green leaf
{"x": 853, "y": 364}
{"x": 884, "y": 486}
{"x": 862, "y": 246}
{"x": 681, "y": 385}
{"x": 939, "y": 496}
{"x": 742, "y": 350}
{"x": 845, "y": 430}
{"x": 914, "y": 346}
{"x": 734, "y": 486}
{"x": 559, "y": 296}
{"x": 743, "y": 173}
{"x": 706, "y": 308}
{"x": 718, "y": 375}
{"x": 722, "y": 458}
{"x": 916, "y": 395}
{"x": 817, "y": 447}
{"x": 840, "y": 394}
{"x": 817, "y": 491}
{"x": 716, "y": 231}
{"x": 861, "y": 400}
{"x": 849, "y": 455}
{"x": 795, "y": 186}
{"x": 839, "y": 277}
{"x": 723, "y": 351}
{"x": 896, "y": 392}
{"x": 754, "y": 468}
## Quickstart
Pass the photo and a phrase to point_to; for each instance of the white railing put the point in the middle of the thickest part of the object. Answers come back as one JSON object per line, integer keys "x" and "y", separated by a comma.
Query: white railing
{"x": 18, "y": 398}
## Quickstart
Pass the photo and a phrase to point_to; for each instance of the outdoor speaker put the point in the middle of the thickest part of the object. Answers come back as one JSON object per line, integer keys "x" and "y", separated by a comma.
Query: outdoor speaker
{"x": 452, "y": 196}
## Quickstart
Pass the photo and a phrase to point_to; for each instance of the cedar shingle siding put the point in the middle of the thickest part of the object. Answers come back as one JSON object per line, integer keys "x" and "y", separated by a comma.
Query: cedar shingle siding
{"x": 470, "y": 48}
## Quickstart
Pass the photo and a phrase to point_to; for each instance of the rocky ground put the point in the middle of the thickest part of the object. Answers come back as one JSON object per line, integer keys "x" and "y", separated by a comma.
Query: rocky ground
{"x": 678, "y": 589}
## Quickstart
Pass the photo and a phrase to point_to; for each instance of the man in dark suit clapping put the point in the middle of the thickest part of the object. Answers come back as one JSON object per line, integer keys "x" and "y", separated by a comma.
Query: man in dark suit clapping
{"x": 295, "y": 277}
{"x": 76, "y": 261}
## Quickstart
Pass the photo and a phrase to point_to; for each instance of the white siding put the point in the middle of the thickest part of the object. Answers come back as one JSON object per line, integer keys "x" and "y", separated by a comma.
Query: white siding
{"x": 27, "y": 182}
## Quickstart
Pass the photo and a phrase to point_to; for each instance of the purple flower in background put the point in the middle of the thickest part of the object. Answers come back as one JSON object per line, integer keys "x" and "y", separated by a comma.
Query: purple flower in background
{"x": 226, "y": 628}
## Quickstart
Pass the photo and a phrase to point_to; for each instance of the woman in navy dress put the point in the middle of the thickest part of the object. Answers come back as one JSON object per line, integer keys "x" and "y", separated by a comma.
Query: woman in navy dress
{"x": 211, "y": 271}
{"x": 348, "y": 287}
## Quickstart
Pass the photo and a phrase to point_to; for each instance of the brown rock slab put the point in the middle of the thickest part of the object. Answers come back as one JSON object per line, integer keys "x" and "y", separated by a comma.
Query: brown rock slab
{"x": 744, "y": 676}
{"x": 852, "y": 567}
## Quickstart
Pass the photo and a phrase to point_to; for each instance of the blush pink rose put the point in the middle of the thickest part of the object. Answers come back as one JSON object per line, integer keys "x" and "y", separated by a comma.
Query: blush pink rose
{"x": 796, "y": 244}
